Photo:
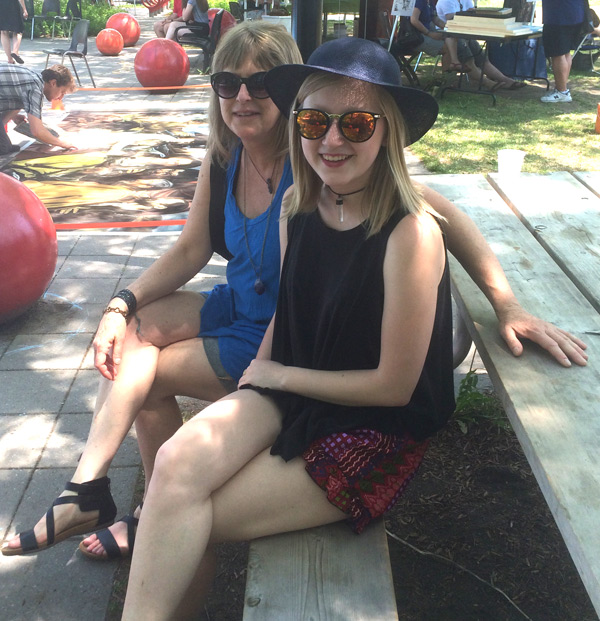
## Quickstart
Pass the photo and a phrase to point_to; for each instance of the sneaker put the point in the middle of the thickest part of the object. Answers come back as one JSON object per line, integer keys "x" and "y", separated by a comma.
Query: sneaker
{"x": 557, "y": 96}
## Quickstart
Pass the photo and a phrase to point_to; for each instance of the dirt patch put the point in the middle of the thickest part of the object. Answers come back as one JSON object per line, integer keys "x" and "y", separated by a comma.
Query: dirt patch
{"x": 474, "y": 506}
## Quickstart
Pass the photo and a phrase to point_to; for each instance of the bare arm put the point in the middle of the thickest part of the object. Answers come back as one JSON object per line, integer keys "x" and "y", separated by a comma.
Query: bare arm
{"x": 468, "y": 245}
{"x": 40, "y": 133}
{"x": 413, "y": 266}
{"x": 418, "y": 25}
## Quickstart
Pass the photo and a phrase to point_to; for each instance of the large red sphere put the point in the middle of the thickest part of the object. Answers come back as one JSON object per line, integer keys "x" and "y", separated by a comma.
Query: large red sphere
{"x": 227, "y": 22}
{"x": 161, "y": 62}
{"x": 28, "y": 248}
{"x": 127, "y": 25}
{"x": 109, "y": 42}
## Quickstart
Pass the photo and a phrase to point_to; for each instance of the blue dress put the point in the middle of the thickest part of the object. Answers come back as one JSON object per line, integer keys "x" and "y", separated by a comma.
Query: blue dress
{"x": 234, "y": 312}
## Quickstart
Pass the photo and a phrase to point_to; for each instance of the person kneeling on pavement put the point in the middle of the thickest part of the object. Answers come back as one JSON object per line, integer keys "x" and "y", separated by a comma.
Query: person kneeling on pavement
{"x": 24, "y": 89}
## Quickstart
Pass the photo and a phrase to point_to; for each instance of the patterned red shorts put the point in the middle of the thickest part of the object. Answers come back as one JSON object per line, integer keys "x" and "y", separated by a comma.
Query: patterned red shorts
{"x": 364, "y": 472}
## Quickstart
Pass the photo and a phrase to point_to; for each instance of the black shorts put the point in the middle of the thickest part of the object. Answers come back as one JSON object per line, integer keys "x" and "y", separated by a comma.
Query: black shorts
{"x": 560, "y": 40}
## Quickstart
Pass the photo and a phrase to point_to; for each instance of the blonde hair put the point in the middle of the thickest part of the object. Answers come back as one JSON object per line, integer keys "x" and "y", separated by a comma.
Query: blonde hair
{"x": 266, "y": 46}
{"x": 389, "y": 188}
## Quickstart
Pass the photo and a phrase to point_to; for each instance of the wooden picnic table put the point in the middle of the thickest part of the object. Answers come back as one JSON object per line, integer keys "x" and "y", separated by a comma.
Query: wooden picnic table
{"x": 545, "y": 230}
{"x": 486, "y": 38}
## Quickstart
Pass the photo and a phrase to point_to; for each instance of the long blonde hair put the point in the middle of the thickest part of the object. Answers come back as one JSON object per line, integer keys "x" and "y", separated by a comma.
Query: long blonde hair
{"x": 266, "y": 46}
{"x": 389, "y": 188}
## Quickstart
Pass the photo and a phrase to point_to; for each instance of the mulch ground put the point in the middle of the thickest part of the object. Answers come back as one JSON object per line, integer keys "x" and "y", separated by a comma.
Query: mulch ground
{"x": 471, "y": 540}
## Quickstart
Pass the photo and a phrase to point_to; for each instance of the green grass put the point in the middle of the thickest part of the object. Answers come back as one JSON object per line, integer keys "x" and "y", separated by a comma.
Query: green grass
{"x": 470, "y": 130}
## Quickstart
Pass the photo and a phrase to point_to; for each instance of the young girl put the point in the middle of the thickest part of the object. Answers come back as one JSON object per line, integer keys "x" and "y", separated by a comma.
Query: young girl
{"x": 355, "y": 371}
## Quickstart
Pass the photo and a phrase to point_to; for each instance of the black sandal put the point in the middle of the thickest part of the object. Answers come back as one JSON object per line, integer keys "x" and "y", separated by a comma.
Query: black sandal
{"x": 90, "y": 496}
{"x": 108, "y": 541}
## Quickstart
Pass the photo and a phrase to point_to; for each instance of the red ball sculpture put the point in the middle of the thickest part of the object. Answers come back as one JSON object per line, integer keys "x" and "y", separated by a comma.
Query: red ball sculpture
{"x": 28, "y": 248}
{"x": 109, "y": 42}
{"x": 127, "y": 25}
{"x": 227, "y": 22}
{"x": 161, "y": 62}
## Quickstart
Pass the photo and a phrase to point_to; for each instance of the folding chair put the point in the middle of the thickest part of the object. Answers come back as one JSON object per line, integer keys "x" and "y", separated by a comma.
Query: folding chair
{"x": 72, "y": 14}
{"x": 77, "y": 49}
{"x": 402, "y": 49}
{"x": 235, "y": 8}
{"x": 50, "y": 10}
{"x": 589, "y": 46}
{"x": 201, "y": 37}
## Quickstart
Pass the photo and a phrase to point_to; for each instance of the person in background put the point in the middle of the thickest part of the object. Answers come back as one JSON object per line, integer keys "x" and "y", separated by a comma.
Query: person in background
{"x": 24, "y": 89}
{"x": 446, "y": 9}
{"x": 195, "y": 11}
{"x": 562, "y": 26}
{"x": 162, "y": 25}
{"x": 11, "y": 26}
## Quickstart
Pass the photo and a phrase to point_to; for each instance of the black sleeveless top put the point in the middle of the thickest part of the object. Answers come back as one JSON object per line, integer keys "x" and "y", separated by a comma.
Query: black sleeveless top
{"x": 329, "y": 315}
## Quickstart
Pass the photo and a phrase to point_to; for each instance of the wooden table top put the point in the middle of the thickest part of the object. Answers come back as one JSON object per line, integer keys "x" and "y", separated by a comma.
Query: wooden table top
{"x": 545, "y": 230}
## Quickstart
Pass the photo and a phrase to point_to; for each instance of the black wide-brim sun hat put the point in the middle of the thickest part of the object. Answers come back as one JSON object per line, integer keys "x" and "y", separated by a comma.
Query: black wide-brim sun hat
{"x": 362, "y": 60}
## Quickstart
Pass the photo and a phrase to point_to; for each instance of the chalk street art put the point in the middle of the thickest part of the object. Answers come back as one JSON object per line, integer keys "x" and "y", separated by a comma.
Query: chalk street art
{"x": 138, "y": 166}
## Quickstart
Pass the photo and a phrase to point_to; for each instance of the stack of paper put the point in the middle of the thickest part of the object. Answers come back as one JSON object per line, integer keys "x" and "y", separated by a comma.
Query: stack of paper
{"x": 490, "y": 26}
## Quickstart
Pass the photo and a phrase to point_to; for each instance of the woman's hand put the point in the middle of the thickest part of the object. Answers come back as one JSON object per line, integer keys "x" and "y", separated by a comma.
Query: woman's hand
{"x": 516, "y": 322}
{"x": 263, "y": 374}
{"x": 108, "y": 344}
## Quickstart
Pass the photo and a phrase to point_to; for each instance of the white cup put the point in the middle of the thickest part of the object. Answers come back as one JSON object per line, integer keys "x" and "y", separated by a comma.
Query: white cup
{"x": 510, "y": 161}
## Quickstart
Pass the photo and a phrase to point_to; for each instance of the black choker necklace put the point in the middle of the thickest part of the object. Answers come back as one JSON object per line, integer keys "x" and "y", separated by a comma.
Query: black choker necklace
{"x": 339, "y": 201}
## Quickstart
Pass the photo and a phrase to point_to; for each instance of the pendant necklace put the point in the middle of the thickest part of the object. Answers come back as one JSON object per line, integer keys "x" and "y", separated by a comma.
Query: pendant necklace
{"x": 268, "y": 180}
{"x": 259, "y": 285}
{"x": 339, "y": 201}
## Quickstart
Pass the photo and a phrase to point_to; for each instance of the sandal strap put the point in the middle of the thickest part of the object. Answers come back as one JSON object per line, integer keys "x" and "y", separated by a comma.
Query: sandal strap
{"x": 109, "y": 543}
{"x": 91, "y": 496}
{"x": 28, "y": 540}
{"x": 132, "y": 523}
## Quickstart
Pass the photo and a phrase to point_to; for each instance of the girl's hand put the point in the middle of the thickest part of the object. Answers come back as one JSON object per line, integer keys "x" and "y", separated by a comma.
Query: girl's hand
{"x": 263, "y": 374}
{"x": 108, "y": 344}
{"x": 516, "y": 323}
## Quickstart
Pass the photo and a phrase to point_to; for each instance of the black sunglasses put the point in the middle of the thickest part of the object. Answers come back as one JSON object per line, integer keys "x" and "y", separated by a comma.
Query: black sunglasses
{"x": 355, "y": 126}
{"x": 227, "y": 85}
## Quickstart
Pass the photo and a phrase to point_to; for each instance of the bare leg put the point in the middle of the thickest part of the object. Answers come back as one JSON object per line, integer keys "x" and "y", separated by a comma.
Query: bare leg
{"x": 17, "y": 36}
{"x": 215, "y": 480}
{"x": 5, "y": 36}
{"x": 170, "y": 33}
{"x": 169, "y": 320}
{"x": 561, "y": 67}
{"x": 159, "y": 28}
{"x": 476, "y": 76}
{"x": 183, "y": 369}
{"x": 450, "y": 46}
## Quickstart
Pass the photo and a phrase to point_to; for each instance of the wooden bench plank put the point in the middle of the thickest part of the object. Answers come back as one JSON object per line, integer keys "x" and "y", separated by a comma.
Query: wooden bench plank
{"x": 555, "y": 411}
{"x": 564, "y": 216}
{"x": 326, "y": 573}
{"x": 591, "y": 180}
